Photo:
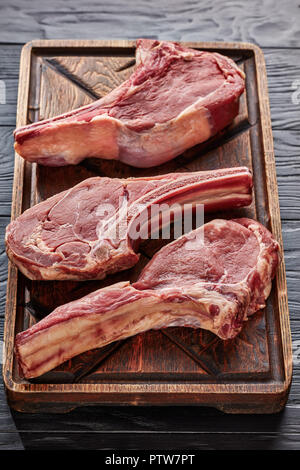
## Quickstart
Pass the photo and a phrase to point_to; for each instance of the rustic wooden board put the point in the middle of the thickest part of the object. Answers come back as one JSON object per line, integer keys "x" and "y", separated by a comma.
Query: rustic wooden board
{"x": 251, "y": 373}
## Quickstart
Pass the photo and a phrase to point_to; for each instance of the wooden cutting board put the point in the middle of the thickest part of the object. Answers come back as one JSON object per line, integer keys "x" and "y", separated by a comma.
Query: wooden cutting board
{"x": 184, "y": 366}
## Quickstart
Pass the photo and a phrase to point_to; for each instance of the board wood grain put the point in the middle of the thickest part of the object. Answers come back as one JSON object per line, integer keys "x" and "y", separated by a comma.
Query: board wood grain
{"x": 251, "y": 373}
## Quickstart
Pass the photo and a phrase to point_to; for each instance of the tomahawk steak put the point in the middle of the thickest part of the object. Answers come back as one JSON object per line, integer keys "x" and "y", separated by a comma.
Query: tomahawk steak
{"x": 89, "y": 231}
{"x": 176, "y": 98}
{"x": 213, "y": 278}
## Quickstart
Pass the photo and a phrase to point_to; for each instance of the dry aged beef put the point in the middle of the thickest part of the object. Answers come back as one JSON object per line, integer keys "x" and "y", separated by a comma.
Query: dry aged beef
{"x": 87, "y": 231}
{"x": 213, "y": 278}
{"x": 176, "y": 98}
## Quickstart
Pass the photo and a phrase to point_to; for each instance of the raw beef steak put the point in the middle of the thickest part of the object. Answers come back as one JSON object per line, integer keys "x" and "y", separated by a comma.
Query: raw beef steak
{"x": 175, "y": 99}
{"x": 88, "y": 231}
{"x": 214, "y": 278}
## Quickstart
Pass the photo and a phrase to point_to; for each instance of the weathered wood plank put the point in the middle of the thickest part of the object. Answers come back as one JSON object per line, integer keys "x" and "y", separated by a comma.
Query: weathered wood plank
{"x": 291, "y": 231}
{"x": 9, "y": 60}
{"x": 96, "y": 420}
{"x": 8, "y": 109}
{"x": 160, "y": 441}
{"x": 6, "y": 169}
{"x": 161, "y": 419}
{"x": 3, "y": 269}
{"x": 274, "y": 24}
{"x": 283, "y": 71}
{"x": 7, "y": 424}
{"x": 10, "y": 441}
{"x": 287, "y": 153}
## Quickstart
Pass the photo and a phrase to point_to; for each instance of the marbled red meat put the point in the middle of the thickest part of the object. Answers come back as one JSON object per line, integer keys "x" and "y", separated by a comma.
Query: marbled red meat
{"x": 214, "y": 278}
{"x": 73, "y": 235}
{"x": 176, "y": 98}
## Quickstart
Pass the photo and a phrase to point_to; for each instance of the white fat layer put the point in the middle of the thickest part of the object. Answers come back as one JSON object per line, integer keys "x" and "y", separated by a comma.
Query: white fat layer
{"x": 51, "y": 346}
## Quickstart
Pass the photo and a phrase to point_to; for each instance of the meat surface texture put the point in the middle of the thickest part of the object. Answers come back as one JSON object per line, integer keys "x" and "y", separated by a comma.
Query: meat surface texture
{"x": 176, "y": 98}
{"x": 90, "y": 230}
{"x": 214, "y": 278}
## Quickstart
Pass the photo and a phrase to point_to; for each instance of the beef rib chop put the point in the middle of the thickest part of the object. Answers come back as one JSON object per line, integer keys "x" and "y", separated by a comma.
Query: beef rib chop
{"x": 176, "y": 98}
{"x": 214, "y": 278}
{"x": 87, "y": 232}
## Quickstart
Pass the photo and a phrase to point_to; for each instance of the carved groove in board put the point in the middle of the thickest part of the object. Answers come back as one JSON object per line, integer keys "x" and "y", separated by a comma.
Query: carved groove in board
{"x": 99, "y": 75}
{"x": 139, "y": 355}
{"x": 58, "y": 68}
{"x": 57, "y": 92}
{"x": 126, "y": 66}
{"x": 98, "y": 357}
{"x": 214, "y": 143}
{"x": 208, "y": 368}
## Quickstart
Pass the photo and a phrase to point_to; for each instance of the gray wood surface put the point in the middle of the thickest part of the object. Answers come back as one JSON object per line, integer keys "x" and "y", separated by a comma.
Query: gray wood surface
{"x": 272, "y": 25}
{"x": 266, "y": 23}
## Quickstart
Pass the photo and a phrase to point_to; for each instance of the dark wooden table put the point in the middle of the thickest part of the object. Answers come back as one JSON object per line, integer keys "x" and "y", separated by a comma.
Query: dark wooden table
{"x": 272, "y": 25}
